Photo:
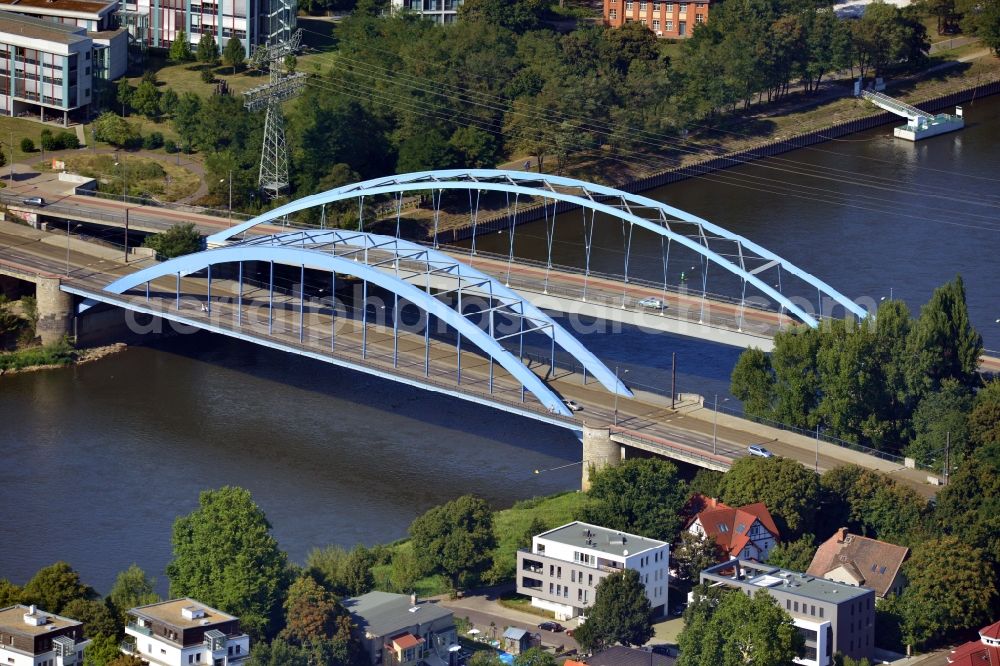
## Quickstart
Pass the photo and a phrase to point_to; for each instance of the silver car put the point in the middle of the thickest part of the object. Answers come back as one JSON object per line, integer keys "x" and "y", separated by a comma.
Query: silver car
{"x": 759, "y": 451}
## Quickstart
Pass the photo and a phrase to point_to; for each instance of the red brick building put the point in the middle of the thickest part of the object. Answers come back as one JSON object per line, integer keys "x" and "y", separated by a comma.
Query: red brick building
{"x": 672, "y": 20}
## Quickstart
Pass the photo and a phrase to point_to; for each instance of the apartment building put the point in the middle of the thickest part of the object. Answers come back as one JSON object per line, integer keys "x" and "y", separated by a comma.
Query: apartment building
{"x": 671, "y": 20}
{"x": 31, "y": 637}
{"x": 46, "y": 68}
{"x": 181, "y": 632}
{"x": 439, "y": 11}
{"x": 561, "y": 571}
{"x": 831, "y": 616}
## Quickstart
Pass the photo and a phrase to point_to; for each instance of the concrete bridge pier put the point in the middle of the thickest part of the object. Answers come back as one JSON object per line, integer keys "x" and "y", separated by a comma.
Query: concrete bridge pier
{"x": 55, "y": 310}
{"x": 599, "y": 451}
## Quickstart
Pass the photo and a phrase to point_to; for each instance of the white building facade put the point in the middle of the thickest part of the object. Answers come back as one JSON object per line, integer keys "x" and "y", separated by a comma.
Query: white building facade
{"x": 561, "y": 571}
{"x": 439, "y": 11}
{"x": 182, "y": 632}
{"x": 31, "y": 637}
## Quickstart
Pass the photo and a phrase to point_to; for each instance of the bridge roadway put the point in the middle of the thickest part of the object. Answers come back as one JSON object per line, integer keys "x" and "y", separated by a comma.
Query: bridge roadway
{"x": 559, "y": 289}
{"x": 646, "y": 422}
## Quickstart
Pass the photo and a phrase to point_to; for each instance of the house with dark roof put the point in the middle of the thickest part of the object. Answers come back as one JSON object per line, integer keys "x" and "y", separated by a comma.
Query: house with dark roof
{"x": 397, "y": 630}
{"x": 517, "y": 640}
{"x": 857, "y": 560}
{"x": 984, "y": 652}
{"x": 747, "y": 532}
{"x": 623, "y": 656}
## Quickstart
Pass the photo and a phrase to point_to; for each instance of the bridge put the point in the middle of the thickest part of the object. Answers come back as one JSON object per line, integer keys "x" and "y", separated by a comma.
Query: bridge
{"x": 423, "y": 315}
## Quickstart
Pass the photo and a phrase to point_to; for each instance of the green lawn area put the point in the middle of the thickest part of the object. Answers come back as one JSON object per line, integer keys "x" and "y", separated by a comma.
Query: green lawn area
{"x": 22, "y": 128}
{"x": 523, "y": 604}
{"x": 186, "y": 77}
{"x": 161, "y": 178}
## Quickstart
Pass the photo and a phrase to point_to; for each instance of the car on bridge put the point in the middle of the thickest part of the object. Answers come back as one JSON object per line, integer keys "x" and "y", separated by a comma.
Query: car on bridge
{"x": 33, "y": 201}
{"x": 573, "y": 405}
{"x": 652, "y": 303}
{"x": 759, "y": 451}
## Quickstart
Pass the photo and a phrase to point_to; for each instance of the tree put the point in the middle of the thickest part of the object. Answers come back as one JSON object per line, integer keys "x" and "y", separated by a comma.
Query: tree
{"x": 695, "y": 553}
{"x": 27, "y": 145}
{"x": 735, "y": 629}
{"x": 132, "y": 588}
{"x": 643, "y": 496}
{"x": 233, "y": 55}
{"x": 982, "y": 18}
{"x": 114, "y": 129}
{"x": 514, "y": 15}
{"x": 102, "y": 651}
{"x": 225, "y": 556}
{"x": 96, "y": 617}
{"x": 943, "y": 344}
{"x": 425, "y": 152}
{"x": 951, "y": 587}
{"x": 478, "y": 149}
{"x": 872, "y": 504}
{"x": 187, "y": 114}
{"x": 534, "y": 657}
{"x": 984, "y": 419}
{"x": 124, "y": 94}
{"x": 52, "y": 587}
{"x": 310, "y": 612}
{"x": 405, "y": 570}
{"x": 455, "y": 539}
{"x": 752, "y": 382}
{"x": 168, "y": 102}
{"x": 356, "y": 573}
{"x": 175, "y": 241}
{"x": 485, "y": 658}
{"x": 180, "y": 50}
{"x": 10, "y": 593}
{"x": 789, "y": 490}
{"x": 941, "y": 420}
{"x": 969, "y": 506}
{"x": 291, "y": 62}
{"x": 126, "y": 660}
{"x": 147, "y": 99}
{"x": 621, "y": 613}
{"x": 208, "y": 49}
{"x": 793, "y": 555}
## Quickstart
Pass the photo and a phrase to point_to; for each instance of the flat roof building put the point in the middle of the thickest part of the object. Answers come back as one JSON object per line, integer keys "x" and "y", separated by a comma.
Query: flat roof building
{"x": 30, "y": 636}
{"x": 184, "y": 631}
{"x": 439, "y": 11}
{"x": 831, "y": 616}
{"x": 561, "y": 571}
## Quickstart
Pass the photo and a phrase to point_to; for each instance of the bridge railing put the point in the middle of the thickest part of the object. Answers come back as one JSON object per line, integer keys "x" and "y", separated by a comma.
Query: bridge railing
{"x": 685, "y": 451}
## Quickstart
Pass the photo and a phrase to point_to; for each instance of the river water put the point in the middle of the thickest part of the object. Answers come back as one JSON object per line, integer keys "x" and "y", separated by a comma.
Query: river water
{"x": 101, "y": 458}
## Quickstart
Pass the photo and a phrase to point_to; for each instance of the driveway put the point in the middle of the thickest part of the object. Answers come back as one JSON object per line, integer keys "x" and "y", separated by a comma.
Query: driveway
{"x": 481, "y": 609}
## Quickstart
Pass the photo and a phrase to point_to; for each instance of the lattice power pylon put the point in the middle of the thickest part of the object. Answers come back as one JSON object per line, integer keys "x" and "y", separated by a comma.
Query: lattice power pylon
{"x": 280, "y": 86}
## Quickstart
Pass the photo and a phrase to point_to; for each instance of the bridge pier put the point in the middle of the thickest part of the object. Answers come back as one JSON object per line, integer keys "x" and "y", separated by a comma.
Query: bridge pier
{"x": 55, "y": 310}
{"x": 599, "y": 451}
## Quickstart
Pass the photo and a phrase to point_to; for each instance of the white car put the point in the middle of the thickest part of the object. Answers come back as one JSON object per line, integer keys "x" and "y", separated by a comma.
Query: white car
{"x": 759, "y": 451}
{"x": 652, "y": 303}
{"x": 573, "y": 405}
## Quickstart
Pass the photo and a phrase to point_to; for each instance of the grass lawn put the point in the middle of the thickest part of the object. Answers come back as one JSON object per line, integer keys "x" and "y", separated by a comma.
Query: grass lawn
{"x": 160, "y": 178}
{"x": 521, "y": 603}
{"x": 21, "y": 129}
{"x": 186, "y": 77}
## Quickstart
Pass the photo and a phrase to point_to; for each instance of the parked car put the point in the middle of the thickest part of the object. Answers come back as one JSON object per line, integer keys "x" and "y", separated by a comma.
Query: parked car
{"x": 573, "y": 405}
{"x": 551, "y": 626}
{"x": 34, "y": 201}
{"x": 652, "y": 303}
{"x": 760, "y": 451}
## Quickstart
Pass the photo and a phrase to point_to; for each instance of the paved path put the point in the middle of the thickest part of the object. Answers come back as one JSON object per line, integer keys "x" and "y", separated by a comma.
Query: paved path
{"x": 481, "y": 609}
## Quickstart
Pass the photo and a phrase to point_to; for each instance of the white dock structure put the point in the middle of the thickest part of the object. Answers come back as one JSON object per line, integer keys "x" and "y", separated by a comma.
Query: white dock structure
{"x": 920, "y": 124}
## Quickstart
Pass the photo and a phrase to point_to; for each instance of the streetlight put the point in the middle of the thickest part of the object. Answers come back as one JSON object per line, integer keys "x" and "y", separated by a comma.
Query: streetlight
{"x": 124, "y": 201}
{"x": 616, "y": 392}
{"x": 222, "y": 180}
{"x": 715, "y": 424}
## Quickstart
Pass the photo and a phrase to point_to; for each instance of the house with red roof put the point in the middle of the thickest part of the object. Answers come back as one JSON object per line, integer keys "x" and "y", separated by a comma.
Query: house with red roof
{"x": 984, "y": 652}
{"x": 747, "y": 532}
{"x": 858, "y": 560}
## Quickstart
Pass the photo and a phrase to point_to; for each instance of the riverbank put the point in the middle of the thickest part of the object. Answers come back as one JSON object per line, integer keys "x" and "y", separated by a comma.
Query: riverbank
{"x": 51, "y": 357}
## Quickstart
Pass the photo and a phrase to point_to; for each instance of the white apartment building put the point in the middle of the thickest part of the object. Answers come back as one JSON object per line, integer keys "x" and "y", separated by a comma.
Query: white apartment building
{"x": 31, "y": 637}
{"x": 182, "y": 632}
{"x": 439, "y": 11}
{"x": 561, "y": 571}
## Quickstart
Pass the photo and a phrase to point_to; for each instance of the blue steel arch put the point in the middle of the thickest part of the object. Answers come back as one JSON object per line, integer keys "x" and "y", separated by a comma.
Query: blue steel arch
{"x": 518, "y": 182}
{"x": 440, "y": 259}
{"x": 291, "y": 256}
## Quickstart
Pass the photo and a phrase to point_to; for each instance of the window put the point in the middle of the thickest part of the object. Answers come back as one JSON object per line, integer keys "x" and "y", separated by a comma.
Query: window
{"x": 572, "y": 576}
{"x": 821, "y": 611}
{"x": 613, "y": 14}
{"x": 590, "y": 580}
{"x": 642, "y": 6}
{"x": 812, "y": 610}
{"x": 670, "y": 8}
{"x": 699, "y": 18}
{"x": 551, "y": 587}
{"x": 628, "y": 5}
{"x": 190, "y": 658}
{"x": 558, "y": 572}
{"x": 788, "y": 604}
{"x": 670, "y": 26}
{"x": 796, "y": 606}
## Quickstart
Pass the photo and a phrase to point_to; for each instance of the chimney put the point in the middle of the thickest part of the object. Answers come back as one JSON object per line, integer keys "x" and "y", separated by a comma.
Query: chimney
{"x": 413, "y": 598}
{"x": 841, "y": 534}
{"x": 31, "y": 609}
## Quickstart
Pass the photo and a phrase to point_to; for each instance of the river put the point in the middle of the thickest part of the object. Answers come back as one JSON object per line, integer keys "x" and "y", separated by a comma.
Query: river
{"x": 100, "y": 459}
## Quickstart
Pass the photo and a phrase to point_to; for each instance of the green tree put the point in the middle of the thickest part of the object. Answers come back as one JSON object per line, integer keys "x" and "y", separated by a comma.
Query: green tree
{"x": 969, "y": 506}
{"x": 187, "y": 117}
{"x": 424, "y": 152}
{"x": 208, "y": 49}
{"x": 621, "y": 613}
{"x": 310, "y": 612}
{"x": 405, "y": 570}
{"x": 940, "y": 420}
{"x": 233, "y": 55}
{"x": 943, "y": 345}
{"x": 27, "y": 145}
{"x": 180, "y": 50}
{"x": 147, "y": 100}
{"x": 132, "y": 588}
{"x": 485, "y": 658}
{"x": 951, "y": 587}
{"x": 356, "y": 573}
{"x": 643, "y": 496}
{"x": 102, "y": 651}
{"x": 514, "y": 15}
{"x": 10, "y": 593}
{"x": 984, "y": 419}
{"x": 175, "y": 241}
{"x": 54, "y": 586}
{"x": 534, "y": 657}
{"x": 797, "y": 385}
{"x": 126, "y": 660}
{"x": 982, "y": 18}
{"x": 455, "y": 539}
{"x": 113, "y": 129}
{"x": 695, "y": 553}
{"x": 168, "y": 102}
{"x": 793, "y": 555}
{"x": 477, "y": 149}
{"x": 753, "y": 381}
{"x": 96, "y": 617}
{"x": 225, "y": 556}
{"x": 872, "y": 504}
{"x": 325, "y": 565}
{"x": 124, "y": 94}
{"x": 789, "y": 490}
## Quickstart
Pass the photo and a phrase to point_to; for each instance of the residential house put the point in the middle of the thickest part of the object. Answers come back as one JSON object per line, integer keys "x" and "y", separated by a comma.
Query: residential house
{"x": 747, "y": 533}
{"x": 831, "y": 616}
{"x": 671, "y": 20}
{"x": 398, "y": 630}
{"x": 181, "y": 632}
{"x": 31, "y": 637}
{"x": 564, "y": 565}
{"x": 622, "y": 656}
{"x": 984, "y": 652}
{"x": 858, "y": 560}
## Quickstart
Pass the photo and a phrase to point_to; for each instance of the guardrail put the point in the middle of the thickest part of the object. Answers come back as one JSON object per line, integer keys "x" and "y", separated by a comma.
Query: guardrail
{"x": 679, "y": 449}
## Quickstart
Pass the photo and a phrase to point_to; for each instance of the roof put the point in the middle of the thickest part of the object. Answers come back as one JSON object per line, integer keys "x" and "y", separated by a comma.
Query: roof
{"x": 35, "y": 28}
{"x": 55, "y": 6}
{"x": 515, "y": 633}
{"x": 169, "y": 613}
{"x": 984, "y": 652}
{"x": 992, "y": 631}
{"x": 384, "y": 614}
{"x": 406, "y": 641}
{"x": 730, "y": 527}
{"x": 594, "y": 537}
{"x": 623, "y": 656}
{"x": 757, "y": 575}
{"x": 12, "y": 621}
{"x": 876, "y": 562}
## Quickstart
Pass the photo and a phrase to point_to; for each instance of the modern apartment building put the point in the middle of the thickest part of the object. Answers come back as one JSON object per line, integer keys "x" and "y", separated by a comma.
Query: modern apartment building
{"x": 31, "y": 637}
{"x": 672, "y": 20}
{"x": 832, "y": 617}
{"x": 181, "y": 632}
{"x": 46, "y": 68}
{"x": 439, "y": 11}
{"x": 561, "y": 571}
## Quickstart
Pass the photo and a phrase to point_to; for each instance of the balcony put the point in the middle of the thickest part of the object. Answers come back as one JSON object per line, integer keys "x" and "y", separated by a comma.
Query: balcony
{"x": 145, "y": 631}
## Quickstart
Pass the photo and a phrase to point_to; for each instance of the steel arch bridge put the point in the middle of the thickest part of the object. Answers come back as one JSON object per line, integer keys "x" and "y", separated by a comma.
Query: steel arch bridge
{"x": 412, "y": 273}
{"x": 750, "y": 263}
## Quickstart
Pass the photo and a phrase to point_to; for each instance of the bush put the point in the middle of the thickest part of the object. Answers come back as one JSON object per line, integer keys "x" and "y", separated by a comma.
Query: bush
{"x": 58, "y": 141}
{"x": 170, "y": 146}
{"x": 207, "y": 76}
{"x": 152, "y": 141}
{"x": 67, "y": 140}
{"x": 27, "y": 145}
{"x": 48, "y": 141}
{"x": 59, "y": 353}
